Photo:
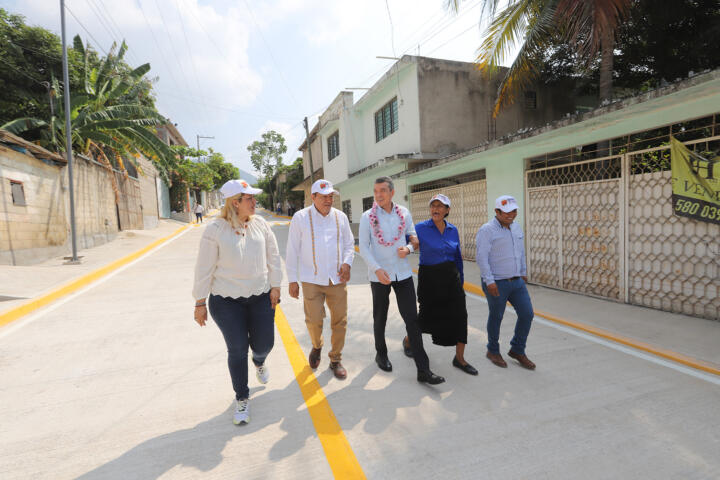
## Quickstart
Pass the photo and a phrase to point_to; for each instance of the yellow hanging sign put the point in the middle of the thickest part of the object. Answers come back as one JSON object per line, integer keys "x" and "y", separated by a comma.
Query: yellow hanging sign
{"x": 695, "y": 184}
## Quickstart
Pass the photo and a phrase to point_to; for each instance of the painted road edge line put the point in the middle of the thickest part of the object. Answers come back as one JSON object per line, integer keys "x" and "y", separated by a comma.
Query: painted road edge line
{"x": 340, "y": 455}
{"x": 630, "y": 342}
{"x": 20, "y": 311}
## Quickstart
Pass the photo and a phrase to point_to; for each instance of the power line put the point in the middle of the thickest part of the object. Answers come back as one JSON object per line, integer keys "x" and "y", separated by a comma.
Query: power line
{"x": 196, "y": 101}
{"x": 192, "y": 59}
{"x": 221, "y": 52}
{"x": 113, "y": 27}
{"x": 172, "y": 47}
{"x": 453, "y": 38}
{"x": 272, "y": 57}
{"x": 21, "y": 72}
{"x": 157, "y": 44}
{"x": 86, "y": 30}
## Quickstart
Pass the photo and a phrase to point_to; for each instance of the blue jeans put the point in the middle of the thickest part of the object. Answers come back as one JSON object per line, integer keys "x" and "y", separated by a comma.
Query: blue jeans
{"x": 515, "y": 292}
{"x": 244, "y": 322}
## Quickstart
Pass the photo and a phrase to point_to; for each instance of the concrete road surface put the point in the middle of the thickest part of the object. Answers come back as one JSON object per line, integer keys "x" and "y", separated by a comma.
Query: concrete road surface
{"x": 119, "y": 382}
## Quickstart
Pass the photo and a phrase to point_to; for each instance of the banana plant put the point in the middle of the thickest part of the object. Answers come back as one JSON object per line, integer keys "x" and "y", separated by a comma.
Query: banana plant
{"x": 107, "y": 115}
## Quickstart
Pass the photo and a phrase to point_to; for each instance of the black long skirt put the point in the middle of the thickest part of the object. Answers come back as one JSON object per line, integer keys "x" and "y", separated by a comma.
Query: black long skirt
{"x": 443, "y": 312}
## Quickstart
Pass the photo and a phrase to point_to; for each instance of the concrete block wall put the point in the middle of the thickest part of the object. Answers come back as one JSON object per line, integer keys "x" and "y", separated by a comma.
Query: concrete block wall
{"x": 148, "y": 193}
{"x": 96, "y": 219}
{"x": 40, "y": 223}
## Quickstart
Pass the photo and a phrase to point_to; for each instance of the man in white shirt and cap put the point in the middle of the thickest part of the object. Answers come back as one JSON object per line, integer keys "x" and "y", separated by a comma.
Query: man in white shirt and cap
{"x": 320, "y": 252}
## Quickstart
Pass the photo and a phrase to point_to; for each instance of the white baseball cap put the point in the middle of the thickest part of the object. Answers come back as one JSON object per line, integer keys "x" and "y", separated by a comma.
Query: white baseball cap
{"x": 323, "y": 187}
{"x": 441, "y": 198}
{"x": 506, "y": 203}
{"x": 236, "y": 187}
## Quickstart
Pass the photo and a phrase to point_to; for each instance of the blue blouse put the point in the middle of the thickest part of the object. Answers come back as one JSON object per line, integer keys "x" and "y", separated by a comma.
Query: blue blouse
{"x": 436, "y": 247}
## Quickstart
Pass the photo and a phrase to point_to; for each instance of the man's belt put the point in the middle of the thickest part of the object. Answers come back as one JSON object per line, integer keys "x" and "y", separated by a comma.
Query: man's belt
{"x": 511, "y": 279}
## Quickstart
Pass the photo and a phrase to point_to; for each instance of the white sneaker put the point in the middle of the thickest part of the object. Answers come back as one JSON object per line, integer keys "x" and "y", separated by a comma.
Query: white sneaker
{"x": 262, "y": 373}
{"x": 242, "y": 412}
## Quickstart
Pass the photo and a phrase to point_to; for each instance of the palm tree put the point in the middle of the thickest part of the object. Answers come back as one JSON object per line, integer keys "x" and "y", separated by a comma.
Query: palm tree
{"x": 587, "y": 25}
{"x": 108, "y": 119}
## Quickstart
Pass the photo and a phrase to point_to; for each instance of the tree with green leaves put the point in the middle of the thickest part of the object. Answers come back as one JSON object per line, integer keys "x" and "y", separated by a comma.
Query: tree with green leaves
{"x": 30, "y": 57}
{"x": 588, "y": 26}
{"x": 266, "y": 157}
{"x": 110, "y": 121}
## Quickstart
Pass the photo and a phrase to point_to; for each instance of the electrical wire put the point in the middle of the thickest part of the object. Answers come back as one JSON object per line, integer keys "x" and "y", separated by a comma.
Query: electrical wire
{"x": 67, "y": 7}
{"x": 192, "y": 59}
{"x": 157, "y": 44}
{"x": 222, "y": 53}
{"x": 272, "y": 57}
{"x": 23, "y": 73}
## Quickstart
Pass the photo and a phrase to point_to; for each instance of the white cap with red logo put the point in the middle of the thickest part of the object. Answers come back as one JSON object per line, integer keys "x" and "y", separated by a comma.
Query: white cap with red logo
{"x": 236, "y": 187}
{"x": 506, "y": 203}
{"x": 323, "y": 187}
{"x": 440, "y": 198}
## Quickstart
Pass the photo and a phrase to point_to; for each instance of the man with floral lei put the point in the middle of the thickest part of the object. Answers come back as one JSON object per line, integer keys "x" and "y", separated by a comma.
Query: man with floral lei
{"x": 383, "y": 231}
{"x": 320, "y": 251}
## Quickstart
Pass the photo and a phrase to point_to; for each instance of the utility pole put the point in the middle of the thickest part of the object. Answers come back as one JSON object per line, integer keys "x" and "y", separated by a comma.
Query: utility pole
{"x": 68, "y": 135}
{"x": 307, "y": 145}
{"x": 198, "y": 140}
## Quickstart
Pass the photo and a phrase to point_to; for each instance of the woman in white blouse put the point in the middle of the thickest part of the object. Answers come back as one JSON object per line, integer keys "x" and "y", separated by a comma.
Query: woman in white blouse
{"x": 239, "y": 270}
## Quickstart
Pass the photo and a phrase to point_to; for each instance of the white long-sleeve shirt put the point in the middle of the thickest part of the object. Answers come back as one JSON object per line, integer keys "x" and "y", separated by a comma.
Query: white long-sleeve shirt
{"x": 319, "y": 265}
{"x": 234, "y": 265}
{"x": 382, "y": 256}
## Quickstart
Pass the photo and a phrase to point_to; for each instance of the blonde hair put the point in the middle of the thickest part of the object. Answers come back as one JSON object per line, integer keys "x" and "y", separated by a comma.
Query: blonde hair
{"x": 229, "y": 214}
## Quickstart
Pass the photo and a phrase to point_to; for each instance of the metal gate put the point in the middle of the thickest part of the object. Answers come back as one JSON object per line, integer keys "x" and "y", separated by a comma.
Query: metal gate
{"x": 575, "y": 222}
{"x": 468, "y": 211}
{"x": 605, "y": 227}
{"x": 129, "y": 206}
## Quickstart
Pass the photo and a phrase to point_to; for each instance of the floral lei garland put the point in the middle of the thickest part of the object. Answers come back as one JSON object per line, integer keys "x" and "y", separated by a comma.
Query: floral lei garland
{"x": 375, "y": 224}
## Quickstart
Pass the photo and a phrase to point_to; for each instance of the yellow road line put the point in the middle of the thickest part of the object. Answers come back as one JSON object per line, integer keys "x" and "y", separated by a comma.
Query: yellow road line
{"x": 340, "y": 456}
{"x": 17, "y": 312}
{"x": 630, "y": 342}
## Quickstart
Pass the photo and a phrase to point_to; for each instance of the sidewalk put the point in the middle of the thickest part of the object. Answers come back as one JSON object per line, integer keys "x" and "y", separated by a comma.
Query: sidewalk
{"x": 694, "y": 337}
{"x": 21, "y": 284}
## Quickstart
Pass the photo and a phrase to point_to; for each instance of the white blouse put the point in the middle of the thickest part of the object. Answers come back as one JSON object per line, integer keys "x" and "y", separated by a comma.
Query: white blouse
{"x": 237, "y": 262}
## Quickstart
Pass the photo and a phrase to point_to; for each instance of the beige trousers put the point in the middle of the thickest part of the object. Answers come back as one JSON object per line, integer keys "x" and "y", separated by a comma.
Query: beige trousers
{"x": 314, "y": 299}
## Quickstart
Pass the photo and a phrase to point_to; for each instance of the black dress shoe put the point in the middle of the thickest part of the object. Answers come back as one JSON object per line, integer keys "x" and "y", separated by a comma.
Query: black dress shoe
{"x": 467, "y": 368}
{"x": 383, "y": 362}
{"x": 429, "y": 377}
{"x": 406, "y": 348}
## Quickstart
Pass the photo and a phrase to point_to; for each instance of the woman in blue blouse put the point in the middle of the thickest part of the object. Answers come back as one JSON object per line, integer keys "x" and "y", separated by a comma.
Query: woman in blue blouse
{"x": 443, "y": 312}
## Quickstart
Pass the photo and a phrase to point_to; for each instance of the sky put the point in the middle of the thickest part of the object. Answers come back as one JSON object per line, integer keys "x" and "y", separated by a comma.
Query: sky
{"x": 233, "y": 69}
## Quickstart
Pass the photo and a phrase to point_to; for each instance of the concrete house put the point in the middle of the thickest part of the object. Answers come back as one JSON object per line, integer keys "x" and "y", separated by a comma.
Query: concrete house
{"x": 421, "y": 110}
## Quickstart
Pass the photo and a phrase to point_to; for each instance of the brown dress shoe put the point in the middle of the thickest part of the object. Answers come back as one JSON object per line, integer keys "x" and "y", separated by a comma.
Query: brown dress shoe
{"x": 338, "y": 370}
{"x": 522, "y": 360}
{"x": 497, "y": 359}
{"x": 314, "y": 358}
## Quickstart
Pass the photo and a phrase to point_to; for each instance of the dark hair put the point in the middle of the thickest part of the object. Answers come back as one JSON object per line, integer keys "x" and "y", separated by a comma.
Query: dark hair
{"x": 387, "y": 180}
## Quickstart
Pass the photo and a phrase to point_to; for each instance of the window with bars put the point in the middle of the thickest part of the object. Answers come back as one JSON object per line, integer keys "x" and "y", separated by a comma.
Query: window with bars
{"x": 18, "y": 193}
{"x": 333, "y": 143}
{"x": 386, "y": 120}
{"x": 367, "y": 203}
{"x": 347, "y": 209}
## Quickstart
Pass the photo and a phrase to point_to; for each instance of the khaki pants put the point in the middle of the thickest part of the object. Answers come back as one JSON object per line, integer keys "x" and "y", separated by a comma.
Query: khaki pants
{"x": 314, "y": 299}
